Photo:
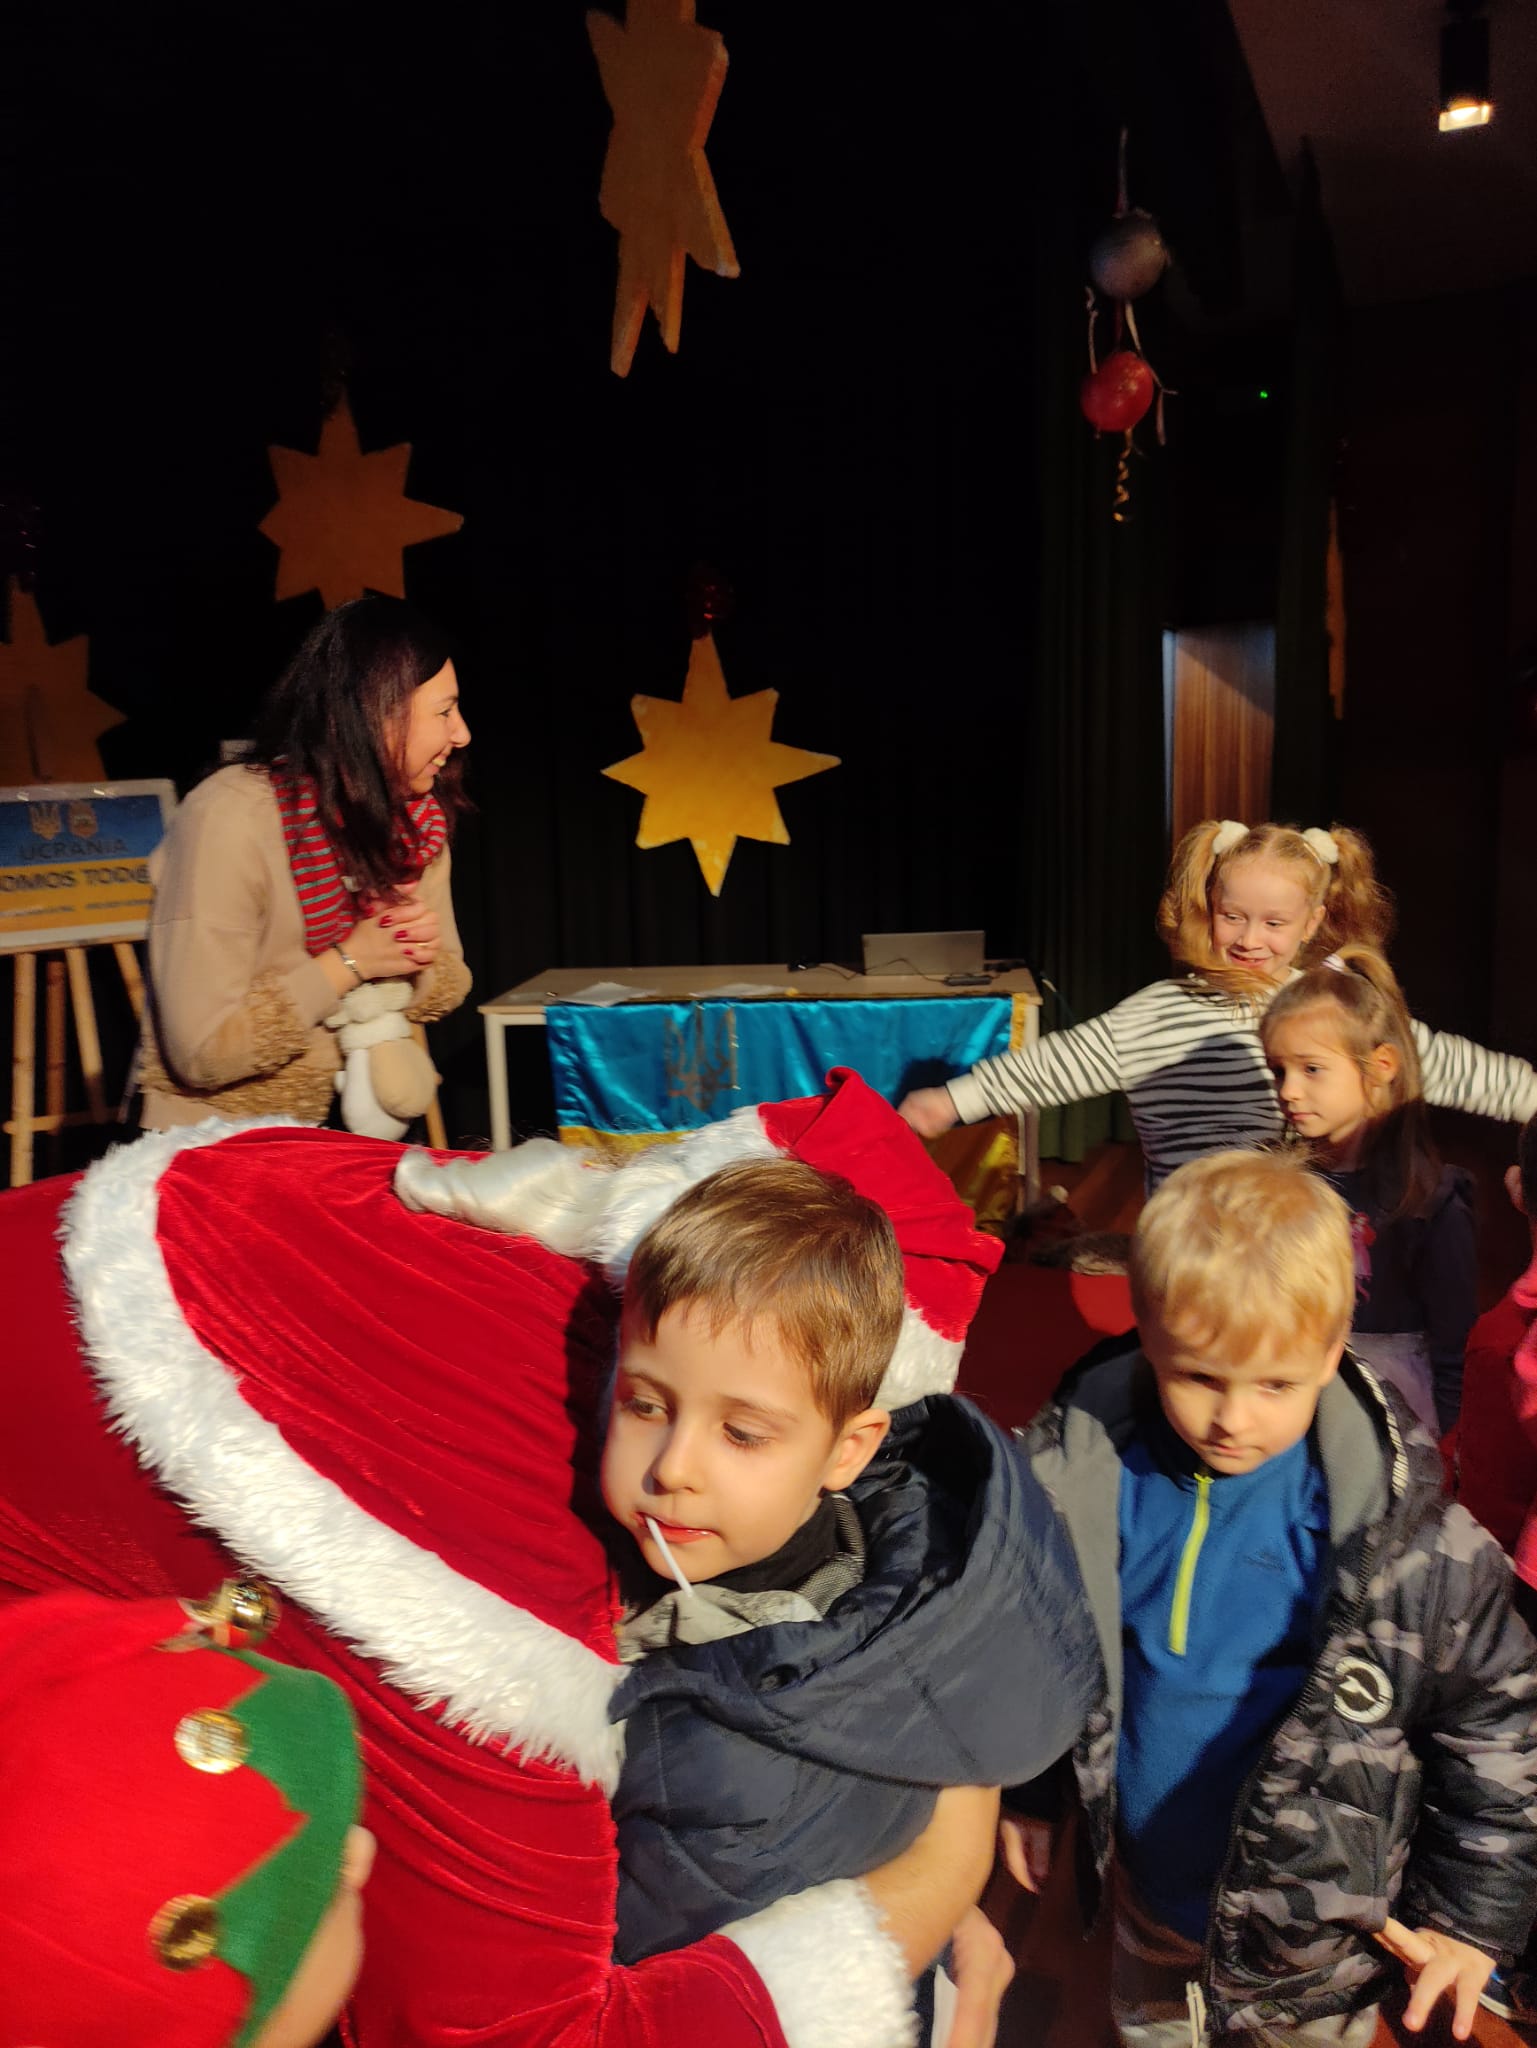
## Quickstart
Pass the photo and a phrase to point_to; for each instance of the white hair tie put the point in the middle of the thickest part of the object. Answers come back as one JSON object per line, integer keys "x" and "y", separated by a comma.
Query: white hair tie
{"x": 1229, "y": 832}
{"x": 1323, "y": 845}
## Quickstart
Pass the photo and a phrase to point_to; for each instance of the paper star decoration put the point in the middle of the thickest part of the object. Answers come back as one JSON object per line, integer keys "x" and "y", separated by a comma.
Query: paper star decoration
{"x": 49, "y": 721}
{"x": 662, "y": 75}
{"x": 342, "y": 518}
{"x": 708, "y": 768}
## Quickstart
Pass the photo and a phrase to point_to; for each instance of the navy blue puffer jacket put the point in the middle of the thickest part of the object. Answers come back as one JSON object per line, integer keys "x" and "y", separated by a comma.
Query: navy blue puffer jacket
{"x": 796, "y": 1753}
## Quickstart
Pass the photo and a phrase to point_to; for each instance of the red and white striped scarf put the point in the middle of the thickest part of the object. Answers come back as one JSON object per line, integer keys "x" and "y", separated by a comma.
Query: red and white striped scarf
{"x": 330, "y": 907}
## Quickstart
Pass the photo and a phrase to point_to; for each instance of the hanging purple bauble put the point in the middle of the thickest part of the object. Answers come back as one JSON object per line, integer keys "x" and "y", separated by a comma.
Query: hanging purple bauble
{"x": 1129, "y": 257}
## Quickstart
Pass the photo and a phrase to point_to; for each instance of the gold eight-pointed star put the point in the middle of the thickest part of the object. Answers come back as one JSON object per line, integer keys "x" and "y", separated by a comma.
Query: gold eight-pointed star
{"x": 708, "y": 768}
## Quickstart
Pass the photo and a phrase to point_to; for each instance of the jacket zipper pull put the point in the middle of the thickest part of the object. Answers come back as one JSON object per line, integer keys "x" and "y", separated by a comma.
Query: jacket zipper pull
{"x": 1184, "y": 1578}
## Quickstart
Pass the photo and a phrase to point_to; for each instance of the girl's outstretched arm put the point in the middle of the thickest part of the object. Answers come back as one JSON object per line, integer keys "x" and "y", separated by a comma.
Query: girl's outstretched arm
{"x": 1461, "y": 1075}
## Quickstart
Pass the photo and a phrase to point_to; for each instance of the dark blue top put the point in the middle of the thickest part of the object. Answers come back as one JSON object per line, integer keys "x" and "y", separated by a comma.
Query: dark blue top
{"x": 1197, "y": 1716}
{"x": 1419, "y": 1273}
{"x": 803, "y": 1751}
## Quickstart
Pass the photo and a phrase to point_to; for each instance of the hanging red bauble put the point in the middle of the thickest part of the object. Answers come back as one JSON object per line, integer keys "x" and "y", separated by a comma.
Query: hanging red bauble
{"x": 1116, "y": 395}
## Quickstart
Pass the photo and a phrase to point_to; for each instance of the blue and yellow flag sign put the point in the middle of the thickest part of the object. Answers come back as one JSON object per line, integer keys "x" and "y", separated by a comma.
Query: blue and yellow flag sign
{"x": 74, "y": 861}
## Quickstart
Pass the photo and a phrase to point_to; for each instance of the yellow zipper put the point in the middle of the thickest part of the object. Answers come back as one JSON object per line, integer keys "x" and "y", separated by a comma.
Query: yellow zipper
{"x": 1184, "y": 1578}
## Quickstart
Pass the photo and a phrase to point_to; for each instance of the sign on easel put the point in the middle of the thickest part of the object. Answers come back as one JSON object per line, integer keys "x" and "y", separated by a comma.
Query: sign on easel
{"x": 74, "y": 861}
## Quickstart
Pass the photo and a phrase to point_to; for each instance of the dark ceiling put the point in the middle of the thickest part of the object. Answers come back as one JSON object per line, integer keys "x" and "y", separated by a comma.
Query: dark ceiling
{"x": 1414, "y": 213}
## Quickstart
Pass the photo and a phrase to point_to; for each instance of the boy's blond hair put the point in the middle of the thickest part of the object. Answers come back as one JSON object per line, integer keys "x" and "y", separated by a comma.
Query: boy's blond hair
{"x": 1243, "y": 1250}
{"x": 776, "y": 1239}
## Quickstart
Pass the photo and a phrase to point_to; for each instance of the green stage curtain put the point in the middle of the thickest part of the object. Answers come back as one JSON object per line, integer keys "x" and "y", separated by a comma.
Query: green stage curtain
{"x": 1303, "y": 772}
{"x": 1093, "y": 781}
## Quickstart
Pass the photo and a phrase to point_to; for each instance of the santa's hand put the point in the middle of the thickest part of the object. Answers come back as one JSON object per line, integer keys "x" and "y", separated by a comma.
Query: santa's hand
{"x": 1025, "y": 1846}
{"x": 1438, "y": 1963}
{"x": 982, "y": 1970}
{"x": 930, "y": 1111}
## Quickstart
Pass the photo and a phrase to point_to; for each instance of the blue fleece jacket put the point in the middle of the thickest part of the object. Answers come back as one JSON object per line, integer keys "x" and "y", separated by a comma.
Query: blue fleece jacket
{"x": 1220, "y": 1582}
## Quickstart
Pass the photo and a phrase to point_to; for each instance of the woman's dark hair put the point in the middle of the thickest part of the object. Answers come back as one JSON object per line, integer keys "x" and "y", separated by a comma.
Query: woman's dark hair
{"x": 328, "y": 718}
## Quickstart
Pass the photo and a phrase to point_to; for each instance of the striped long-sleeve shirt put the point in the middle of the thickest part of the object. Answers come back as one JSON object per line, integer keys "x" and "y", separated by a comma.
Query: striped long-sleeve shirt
{"x": 1191, "y": 1063}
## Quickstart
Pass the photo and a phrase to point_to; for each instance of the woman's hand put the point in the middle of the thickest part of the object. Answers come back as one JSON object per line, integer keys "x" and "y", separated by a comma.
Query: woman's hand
{"x": 414, "y": 926}
{"x": 374, "y": 953}
{"x": 930, "y": 1111}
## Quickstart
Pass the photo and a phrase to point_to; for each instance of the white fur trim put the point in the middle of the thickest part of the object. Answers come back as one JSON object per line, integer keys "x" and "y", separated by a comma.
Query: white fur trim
{"x": 572, "y": 1199}
{"x": 575, "y": 1202}
{"x": 486, "y": 1666}
{"x": 836, "y": 1977}
{"x": 924, "y": 1362}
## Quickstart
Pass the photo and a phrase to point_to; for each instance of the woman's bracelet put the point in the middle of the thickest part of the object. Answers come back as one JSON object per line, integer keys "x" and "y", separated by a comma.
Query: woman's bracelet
{"x": 347, "y": 961}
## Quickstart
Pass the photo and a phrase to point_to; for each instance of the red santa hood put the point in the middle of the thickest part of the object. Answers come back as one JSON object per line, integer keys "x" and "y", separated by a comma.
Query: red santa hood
{"x": 351, "y": 1396}
{"x": 578, "y": 1202}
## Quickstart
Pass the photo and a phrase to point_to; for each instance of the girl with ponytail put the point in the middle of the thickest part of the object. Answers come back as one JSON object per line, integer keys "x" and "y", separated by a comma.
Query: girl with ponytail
{"x": 1343, "y": 1053}
{"x": 1244, "y": 910}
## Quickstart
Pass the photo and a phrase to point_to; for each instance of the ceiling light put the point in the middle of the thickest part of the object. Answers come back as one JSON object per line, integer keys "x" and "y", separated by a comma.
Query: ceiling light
{"x": 1465, "y": 101}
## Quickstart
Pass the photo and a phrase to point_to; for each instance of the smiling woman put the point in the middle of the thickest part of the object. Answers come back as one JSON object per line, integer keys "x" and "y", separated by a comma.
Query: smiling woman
{"x": 287, "y": 883}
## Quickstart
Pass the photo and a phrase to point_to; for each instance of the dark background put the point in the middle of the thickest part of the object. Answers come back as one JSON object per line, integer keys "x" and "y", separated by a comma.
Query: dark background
{"x": 872, "y": 436}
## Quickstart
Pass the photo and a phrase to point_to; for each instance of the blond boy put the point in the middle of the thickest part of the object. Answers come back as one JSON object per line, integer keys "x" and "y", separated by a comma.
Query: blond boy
{"x": 1317, "y": 1739}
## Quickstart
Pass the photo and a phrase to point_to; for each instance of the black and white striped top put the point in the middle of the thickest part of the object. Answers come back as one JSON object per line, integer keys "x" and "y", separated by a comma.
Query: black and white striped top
{"x": 1191, "y": 1063}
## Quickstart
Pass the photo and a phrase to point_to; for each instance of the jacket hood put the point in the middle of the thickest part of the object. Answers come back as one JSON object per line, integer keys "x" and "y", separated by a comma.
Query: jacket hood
{"x": 966, "y": 1655}
{"x": 1375, "y": 1456}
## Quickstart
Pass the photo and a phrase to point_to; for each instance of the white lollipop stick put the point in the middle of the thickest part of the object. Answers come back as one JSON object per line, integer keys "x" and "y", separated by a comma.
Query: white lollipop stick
{"x": 672, "y": 1563}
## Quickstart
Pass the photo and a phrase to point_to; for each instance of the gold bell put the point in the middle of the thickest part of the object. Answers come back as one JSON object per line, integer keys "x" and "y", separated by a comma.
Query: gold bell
{"x": 212, "y": 1740}
{"x": 243, "y": 1611}
{"x": 185, "y": 1932}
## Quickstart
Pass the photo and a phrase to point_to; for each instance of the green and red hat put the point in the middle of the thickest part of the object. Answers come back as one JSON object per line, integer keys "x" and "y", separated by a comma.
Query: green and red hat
{"x": 173, "y": 1814}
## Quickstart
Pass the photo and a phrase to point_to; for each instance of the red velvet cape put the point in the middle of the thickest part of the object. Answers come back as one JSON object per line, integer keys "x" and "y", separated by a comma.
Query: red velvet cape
{"x": 442, "y": 1376}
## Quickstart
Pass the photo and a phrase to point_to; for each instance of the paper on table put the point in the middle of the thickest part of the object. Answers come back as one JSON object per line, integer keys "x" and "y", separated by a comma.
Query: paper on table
{"x": 606, "y": 993}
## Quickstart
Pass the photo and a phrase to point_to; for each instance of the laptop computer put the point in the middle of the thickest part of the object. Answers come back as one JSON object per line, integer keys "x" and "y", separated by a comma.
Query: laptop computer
{"x": 936, "y": 953}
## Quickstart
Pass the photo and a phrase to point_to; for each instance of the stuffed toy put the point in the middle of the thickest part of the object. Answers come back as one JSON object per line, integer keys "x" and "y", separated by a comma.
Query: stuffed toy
{"x": 386, "y": 1078}
{"x": 244, "y": 1354}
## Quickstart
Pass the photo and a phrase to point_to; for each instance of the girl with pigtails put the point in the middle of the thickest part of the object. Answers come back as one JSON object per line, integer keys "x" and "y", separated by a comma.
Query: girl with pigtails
{"x": 1244, "y": 910}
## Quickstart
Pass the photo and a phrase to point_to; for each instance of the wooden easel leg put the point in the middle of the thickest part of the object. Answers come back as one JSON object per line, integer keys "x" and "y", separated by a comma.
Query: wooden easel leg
{"x": 133, "y": 980}
{"x": 53, "y": 1057}
{"x": 23, "y": 1067}
{"x": 85, "y": 1031}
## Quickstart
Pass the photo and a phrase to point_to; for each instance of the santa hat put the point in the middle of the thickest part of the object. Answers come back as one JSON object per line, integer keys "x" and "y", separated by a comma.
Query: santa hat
{"x": 172, "y": 1822}
{"x": 578, "y": 1202}
{"x": 350, "y": 1393}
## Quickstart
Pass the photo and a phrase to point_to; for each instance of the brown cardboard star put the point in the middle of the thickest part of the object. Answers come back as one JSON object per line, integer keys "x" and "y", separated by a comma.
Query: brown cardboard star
{"x": 49, "y": 721}
{"x": 708, "y": 768}
{"x": 342, "y": 518}
{"x": 662, "y": 75}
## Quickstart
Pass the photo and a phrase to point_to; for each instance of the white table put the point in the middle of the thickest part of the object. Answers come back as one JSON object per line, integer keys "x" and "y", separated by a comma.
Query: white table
{"x": 526, "y": 1004}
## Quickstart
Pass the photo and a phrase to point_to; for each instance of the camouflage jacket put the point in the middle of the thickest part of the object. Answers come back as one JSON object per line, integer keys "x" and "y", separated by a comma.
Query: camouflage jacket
{"x": 1404, "y": 1779}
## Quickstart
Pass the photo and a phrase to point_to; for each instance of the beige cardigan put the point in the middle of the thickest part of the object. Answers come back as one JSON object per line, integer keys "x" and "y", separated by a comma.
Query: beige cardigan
{"x": 234, "y": 1023}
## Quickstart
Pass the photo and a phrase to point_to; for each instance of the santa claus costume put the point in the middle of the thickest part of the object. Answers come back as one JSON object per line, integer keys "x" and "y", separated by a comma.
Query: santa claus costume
{"x": 387, "y": 1414}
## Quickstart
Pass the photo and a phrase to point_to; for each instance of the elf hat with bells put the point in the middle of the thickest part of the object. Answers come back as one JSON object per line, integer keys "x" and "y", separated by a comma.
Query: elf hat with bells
{"x": 173, "y": 1815}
